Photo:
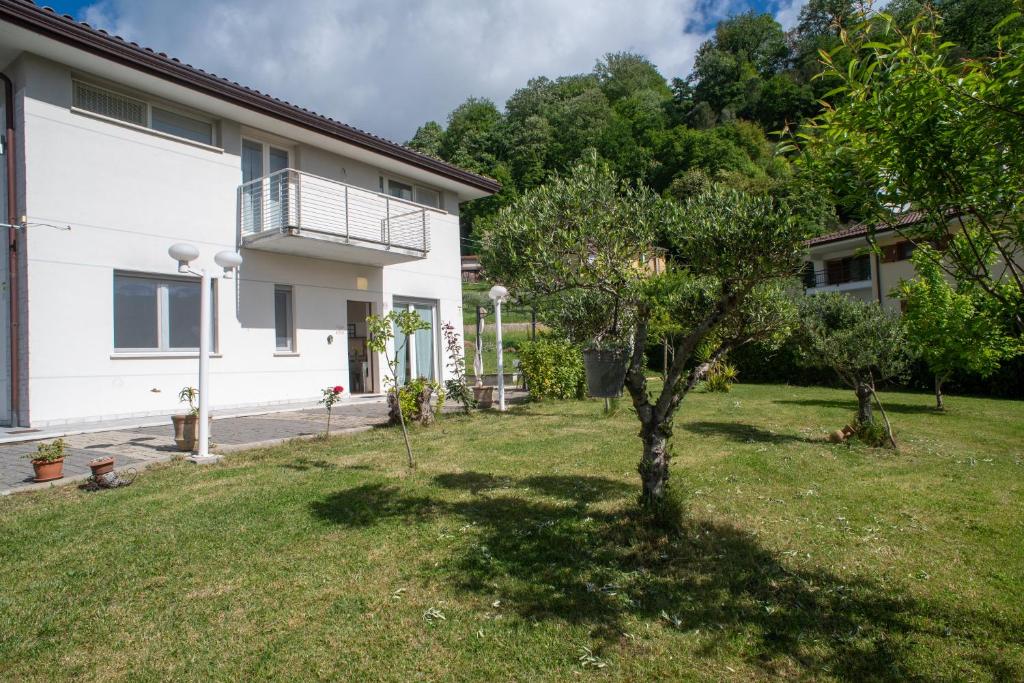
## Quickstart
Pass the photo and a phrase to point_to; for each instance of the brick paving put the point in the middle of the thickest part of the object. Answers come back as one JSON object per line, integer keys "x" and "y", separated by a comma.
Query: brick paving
{"x": 145, "y": 445}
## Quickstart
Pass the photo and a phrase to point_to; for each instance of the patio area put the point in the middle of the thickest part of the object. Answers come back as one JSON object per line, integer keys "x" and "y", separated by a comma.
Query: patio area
{"x": 140, "y": 446}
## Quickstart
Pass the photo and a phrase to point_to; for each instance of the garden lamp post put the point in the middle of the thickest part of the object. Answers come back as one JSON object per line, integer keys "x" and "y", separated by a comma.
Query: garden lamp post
{"x": 229, "y": 261}
{"x": 498, "y": 294}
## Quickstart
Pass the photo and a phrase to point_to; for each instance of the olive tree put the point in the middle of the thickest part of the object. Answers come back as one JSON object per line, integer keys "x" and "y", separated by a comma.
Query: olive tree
{"x": 859, "y": 340}
{"x": 582, "y": 244}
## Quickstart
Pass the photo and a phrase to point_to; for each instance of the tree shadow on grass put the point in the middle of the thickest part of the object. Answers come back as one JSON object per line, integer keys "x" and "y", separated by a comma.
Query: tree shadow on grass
{"x": 303, "y": 464}
{"x": 851, "y": 405}
{"x": 716, "y": 582}
{"x": 743, "y": 433}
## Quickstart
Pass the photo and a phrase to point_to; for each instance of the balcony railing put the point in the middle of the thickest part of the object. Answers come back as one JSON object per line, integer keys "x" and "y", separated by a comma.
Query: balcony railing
{"x": 298, "y": 203}
{"x": 834, "y": 276}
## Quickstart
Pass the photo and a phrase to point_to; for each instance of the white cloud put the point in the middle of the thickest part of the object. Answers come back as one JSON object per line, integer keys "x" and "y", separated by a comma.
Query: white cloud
{"x": 389, "y": 65}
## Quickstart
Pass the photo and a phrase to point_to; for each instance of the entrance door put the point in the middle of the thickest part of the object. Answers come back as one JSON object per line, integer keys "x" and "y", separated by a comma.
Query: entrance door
{"x": 360, "y": 363}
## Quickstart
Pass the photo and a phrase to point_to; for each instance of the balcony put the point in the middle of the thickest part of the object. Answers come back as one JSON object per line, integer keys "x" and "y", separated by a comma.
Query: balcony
{"x": 840, "y": 274}
{"x": 292, "y": 212}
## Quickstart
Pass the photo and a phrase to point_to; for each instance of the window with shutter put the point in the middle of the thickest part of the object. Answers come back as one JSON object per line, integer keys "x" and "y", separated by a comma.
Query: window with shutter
{"x": 112, "y": 104}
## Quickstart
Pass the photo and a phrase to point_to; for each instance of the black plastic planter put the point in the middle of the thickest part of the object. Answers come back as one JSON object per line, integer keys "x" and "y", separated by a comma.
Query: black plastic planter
{"x": 606, "y": 371}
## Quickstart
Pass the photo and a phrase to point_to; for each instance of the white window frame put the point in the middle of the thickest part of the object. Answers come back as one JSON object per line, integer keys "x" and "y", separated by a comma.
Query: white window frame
{"x": 385, "y": 188}
{"x": 148, "y": 103}
{"x": 266, "y": 143}
{"x": 291, "y": 349}
{"x": 163, "y": 331}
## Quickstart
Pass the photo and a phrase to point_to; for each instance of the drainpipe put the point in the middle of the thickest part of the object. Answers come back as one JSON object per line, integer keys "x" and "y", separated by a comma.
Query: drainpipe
{"x": 12, "y": 247}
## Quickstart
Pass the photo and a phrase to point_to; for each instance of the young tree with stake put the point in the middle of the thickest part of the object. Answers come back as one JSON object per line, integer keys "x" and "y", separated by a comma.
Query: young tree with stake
{"x": 581, "y": 243}
{"x": 381, "y": 331}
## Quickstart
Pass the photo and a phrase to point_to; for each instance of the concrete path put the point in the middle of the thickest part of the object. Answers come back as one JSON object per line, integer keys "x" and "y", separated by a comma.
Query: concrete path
{"x": 141, "y": 446}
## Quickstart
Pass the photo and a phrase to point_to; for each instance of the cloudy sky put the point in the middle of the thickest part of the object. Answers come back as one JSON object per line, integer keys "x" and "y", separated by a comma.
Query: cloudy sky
{"x": 389, "y": 65}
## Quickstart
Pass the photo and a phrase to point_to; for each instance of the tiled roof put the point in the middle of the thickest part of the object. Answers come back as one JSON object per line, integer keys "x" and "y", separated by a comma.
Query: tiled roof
{"x": 66, "y": 29}
{"x": 862, "y": 229}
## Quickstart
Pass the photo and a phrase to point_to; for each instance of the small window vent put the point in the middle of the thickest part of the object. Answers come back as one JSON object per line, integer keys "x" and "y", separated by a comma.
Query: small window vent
{"x": 111, "y": 104}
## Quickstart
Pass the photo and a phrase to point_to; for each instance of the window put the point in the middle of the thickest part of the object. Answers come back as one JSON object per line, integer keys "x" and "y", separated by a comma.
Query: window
{"x": 284, "y": 322}
{"x": 848, "y": 269}
{"x": 182, "y": 126}
{"x": 157, "y": 314}
{"x": 410, "y": 192}
{"x": 904, "y": 250}
{"x": 140, "y": 113}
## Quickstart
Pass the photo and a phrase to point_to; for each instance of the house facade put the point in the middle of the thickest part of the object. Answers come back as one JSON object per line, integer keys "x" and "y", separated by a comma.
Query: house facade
{"x": 843, "y": 261}
{"x": 112, "y": 153}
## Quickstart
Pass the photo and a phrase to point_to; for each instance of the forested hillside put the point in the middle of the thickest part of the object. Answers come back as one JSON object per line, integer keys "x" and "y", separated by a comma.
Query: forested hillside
{"x": 751, "y": 80}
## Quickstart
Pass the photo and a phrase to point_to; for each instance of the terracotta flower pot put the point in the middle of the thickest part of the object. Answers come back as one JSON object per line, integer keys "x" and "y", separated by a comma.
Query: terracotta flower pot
{"x": 186, "y": 431}
{"x": 484, "y": 396}
{"x": 101, "y": 466}
{"x": 48, "y": 470}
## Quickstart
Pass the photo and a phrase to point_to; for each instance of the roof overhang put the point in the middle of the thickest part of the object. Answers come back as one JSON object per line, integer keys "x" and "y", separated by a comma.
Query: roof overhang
{"x": 26, "y": 27}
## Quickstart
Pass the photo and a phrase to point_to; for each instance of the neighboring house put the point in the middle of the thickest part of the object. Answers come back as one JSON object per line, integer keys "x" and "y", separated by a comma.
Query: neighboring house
{"x": 471, "y": 269}
{"x": 136, "y": 151}
{"x": 843, "y": 262}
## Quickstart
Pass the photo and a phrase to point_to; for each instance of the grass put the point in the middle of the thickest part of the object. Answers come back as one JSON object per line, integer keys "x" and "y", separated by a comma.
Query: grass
{"x": 513, "y": 552}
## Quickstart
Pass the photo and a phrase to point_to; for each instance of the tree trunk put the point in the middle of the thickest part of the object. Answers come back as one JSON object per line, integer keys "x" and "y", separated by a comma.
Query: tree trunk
{"x": 864, "y": 393}
{"x": 938, "y": 394}
{"x": 654, "y": 464}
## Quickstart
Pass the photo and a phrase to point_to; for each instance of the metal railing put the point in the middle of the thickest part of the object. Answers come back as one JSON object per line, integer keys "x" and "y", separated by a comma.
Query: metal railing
{"x": 835, "y": 276}
{"x": 296, "y": 202}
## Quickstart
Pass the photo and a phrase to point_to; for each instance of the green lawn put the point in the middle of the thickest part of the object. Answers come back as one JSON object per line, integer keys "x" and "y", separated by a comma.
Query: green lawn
{"x": 512, "y": 553}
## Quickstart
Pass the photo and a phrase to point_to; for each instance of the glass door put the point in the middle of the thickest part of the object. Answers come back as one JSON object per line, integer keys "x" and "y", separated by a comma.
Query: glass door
{"x": 417, "y": 355}
{"x": 252, "y": 190}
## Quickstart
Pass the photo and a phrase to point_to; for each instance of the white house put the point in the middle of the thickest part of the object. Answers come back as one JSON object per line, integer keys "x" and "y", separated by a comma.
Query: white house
{"x": 843, "y": 261}
{"x": 113, "y": 152}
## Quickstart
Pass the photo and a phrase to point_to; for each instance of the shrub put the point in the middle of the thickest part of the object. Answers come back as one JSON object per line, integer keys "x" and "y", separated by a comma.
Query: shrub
{"x": 553, "y": 368}
{"x": 415, "y": 399}
{"x": 870, "y": 433}
{"x": 720, "y": 377}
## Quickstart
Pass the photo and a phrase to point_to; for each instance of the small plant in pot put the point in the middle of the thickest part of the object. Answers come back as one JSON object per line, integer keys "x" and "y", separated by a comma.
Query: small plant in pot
{"x": 102, "y": 466}
{"x": 48, "y": 461}
{"x": 186, "y": 426}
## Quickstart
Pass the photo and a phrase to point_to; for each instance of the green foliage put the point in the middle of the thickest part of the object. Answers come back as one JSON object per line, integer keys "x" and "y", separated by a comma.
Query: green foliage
{"x": 952, "y": 328}
{"x": 720, "y": 377}
{"x": 913, "y": 125}
{"x": 410, "y": 397}
{"x": 48, "y": 452}
{"x": 859, "y": 340}
{"x": 189, "y": 395}
{"x": 553, "y": 368}
{"x": 428, "y": 139}
{"x": 457, "y": 388}
{"x": 871, "y": 433}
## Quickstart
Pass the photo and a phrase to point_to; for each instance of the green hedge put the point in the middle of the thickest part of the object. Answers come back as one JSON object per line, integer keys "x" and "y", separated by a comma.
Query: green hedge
{"x": 553, "y": 368}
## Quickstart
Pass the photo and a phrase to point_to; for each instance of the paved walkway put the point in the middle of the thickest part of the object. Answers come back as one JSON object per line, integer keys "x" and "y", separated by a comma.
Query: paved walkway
{"x": 142, "y": 446}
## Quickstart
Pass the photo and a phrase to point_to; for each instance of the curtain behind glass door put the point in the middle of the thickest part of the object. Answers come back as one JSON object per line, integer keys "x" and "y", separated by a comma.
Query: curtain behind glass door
{"x": 425, "y": 342}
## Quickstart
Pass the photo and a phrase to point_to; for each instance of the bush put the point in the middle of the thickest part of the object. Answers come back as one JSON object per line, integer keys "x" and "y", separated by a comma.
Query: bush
{"x": 553, "y": 368}
{"x": 870, "y": 433}
{"x": 415, "y": 398}
{"x": 720, "y": 377}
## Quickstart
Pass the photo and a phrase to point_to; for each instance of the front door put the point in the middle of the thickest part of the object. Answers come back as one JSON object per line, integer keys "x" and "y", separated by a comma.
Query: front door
{"x": 360, "y": 362}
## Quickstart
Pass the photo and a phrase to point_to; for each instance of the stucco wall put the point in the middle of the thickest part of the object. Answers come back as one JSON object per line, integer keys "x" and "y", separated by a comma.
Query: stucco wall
{"x": 128, "y": 195}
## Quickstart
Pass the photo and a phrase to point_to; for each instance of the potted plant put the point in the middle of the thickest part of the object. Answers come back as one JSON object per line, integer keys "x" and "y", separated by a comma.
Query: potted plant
{"x": 48, "y": 460}
{"x": 186, "y": 426}
{"x": 101, "y": 466}
{"x": 605, "y": 367}
{"x": 483, "y": 395}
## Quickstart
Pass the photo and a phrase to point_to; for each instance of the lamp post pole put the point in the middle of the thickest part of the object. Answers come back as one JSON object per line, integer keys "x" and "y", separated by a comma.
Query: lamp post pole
{"x": 498, "y": 294}
{"x": 205, "y": 332}
{"x": 501, "y": 358}
{"x": 229, "y": 261}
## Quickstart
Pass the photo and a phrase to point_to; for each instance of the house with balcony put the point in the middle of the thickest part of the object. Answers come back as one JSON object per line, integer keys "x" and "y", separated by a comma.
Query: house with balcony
{"x": 842, "y": 261}
{"x": 112, "y": 153}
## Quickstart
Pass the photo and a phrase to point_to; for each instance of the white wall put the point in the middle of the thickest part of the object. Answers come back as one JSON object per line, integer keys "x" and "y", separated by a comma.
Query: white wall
{"x": 128, "y": 195}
